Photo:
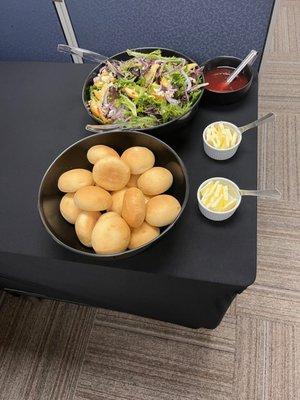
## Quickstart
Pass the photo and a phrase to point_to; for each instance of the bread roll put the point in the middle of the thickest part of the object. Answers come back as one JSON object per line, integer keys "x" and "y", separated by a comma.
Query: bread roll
{"x": 133, "y": 181}
{"x": 111, "y": 173}
{"x": 74, "y": 179}
{"x": 139, "y": 159}
{"x": 84, "y": 226}
{"x": 100, "y": 151}
{"x": 117, "y": 201}
{"x": 92, "y": 198}
{"x": 162, "y": 210}
{"x": 110, "y": 235}
{"x": 147, "y": 198}
{"x": 142, "y": 235}
{"x": 109, "y": 214}
{"x": 134, "y": 207}
{"x": 155, "y": 181}
{"x": 68, "y": 208}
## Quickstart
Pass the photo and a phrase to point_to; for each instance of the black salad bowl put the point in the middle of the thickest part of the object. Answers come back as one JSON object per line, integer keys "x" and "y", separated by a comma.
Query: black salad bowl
{"x": 156, "y": 130}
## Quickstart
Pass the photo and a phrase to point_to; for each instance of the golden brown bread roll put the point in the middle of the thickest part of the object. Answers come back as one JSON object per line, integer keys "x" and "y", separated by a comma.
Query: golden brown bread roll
{"x": 142, "y": 235}
{"x": 139, "y": 159}
{"x": 100, "y": 151}
{"x": 74, "y": 179}
{"x": 117, "y": 201}
{"x": 111, "y": 173}
{"x": 162, "y": 210}
{"x": 132, "y": 181}
{"x": 68, "y": 208}
{"x": 110, "y": 235}
{"x": 92, "y": 198}
{"x": 155, "y": 181}
{"x": 147, "y": 198}
{"x": 134, "y": 207}
{"x": 84, "y": 226}
{"x": 109, "y": 214}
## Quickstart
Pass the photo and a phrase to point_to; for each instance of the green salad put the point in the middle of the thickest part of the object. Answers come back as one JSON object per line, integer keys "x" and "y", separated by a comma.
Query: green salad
{"x": 146, "y": 90}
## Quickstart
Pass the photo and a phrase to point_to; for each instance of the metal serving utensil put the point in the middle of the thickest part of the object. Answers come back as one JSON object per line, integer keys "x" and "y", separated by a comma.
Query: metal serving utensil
{"x": 259, "y": 121}
{"x": 249, "y": 59}
{"x": 109, "y": 127}
{"x": 83, "y": 53}
{"x": 87, "y": 55}
{"x": 266, "y": 193}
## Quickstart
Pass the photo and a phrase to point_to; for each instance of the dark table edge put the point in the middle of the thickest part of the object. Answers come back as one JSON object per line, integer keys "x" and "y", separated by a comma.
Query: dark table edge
{"x": 242, "y": 285}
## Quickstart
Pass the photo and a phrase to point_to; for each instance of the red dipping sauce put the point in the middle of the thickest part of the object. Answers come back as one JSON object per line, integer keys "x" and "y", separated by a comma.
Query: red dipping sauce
{"x": 217, "y": 80}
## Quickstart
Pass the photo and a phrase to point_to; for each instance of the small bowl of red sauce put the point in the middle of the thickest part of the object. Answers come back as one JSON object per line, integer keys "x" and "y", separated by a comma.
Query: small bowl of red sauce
{"x": 216, "y": 71}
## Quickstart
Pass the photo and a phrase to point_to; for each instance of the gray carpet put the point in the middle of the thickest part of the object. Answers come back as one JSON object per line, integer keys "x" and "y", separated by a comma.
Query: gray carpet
{"x": 51, "y": 350}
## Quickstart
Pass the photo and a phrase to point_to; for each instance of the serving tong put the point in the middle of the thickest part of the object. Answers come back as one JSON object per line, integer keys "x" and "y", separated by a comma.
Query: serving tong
{"x": 83, "y": 53}
{"x": 109, "y": 127}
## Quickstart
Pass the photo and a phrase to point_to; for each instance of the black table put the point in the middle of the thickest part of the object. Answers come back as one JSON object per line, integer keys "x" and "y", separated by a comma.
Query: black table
{"x": 190, "y": 277}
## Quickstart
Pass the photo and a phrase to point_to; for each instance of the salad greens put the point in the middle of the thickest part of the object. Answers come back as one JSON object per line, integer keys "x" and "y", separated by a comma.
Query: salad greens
{"x": 146, "y": 90}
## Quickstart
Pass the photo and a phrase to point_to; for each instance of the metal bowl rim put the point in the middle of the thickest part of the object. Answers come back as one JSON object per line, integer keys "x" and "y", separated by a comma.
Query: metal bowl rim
{"x": 126, "y": 252}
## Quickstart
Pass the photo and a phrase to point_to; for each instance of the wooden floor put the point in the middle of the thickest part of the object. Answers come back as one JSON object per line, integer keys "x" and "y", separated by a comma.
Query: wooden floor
{"x": 57, "y": 351}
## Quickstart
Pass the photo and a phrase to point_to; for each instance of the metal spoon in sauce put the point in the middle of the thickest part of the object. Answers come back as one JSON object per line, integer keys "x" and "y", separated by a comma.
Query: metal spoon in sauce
{"x": 249, "y": 59}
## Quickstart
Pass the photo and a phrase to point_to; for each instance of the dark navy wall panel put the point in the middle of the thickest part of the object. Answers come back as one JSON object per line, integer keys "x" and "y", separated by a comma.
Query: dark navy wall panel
{"x": 199, "y": 28}
{"x": 30, "y": 31}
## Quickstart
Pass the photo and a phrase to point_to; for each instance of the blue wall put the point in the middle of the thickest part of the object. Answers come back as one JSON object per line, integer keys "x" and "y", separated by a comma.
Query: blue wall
{"x": 199, "y": 28}
{"x": 30, "y": 31}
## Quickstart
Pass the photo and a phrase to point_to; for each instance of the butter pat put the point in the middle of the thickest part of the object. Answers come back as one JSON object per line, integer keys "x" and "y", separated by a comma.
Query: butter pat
{"x": 221, "y": 136}
{"x": 217, "y": 197}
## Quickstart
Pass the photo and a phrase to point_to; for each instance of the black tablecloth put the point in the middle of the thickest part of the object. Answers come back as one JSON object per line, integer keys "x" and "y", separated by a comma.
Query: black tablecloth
{"x": 189, "y": 277}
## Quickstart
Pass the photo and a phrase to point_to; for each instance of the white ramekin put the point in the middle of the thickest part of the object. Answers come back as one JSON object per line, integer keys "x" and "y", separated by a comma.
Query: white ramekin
{"x": 221, "y": 154}
{"x": 219, "y": 215}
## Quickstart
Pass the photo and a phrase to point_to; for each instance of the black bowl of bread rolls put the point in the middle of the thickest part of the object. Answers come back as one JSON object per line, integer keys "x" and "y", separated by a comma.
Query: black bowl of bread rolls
{"x": 113, "y": 194}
